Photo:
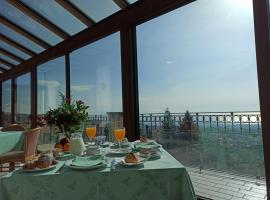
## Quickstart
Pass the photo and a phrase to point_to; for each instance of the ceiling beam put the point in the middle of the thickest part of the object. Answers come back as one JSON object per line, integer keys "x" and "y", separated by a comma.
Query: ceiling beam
{"x": 136, "y": 13}
{"x": 123, "y": 4}
{"x": 24, "y": 32}
{"x": 6, "y": 63}
{"x": 3, "y": 69}
{"x": 39, "y": 18}
{"x": 11, "y": 55}
{"x": 17, "y": 45}
{"x": 76, "y": 12}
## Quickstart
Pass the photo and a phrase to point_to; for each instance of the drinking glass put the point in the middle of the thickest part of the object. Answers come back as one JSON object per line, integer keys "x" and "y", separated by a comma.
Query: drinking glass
{"x": 91, "y": 132}
{"x": 119, "y": 134}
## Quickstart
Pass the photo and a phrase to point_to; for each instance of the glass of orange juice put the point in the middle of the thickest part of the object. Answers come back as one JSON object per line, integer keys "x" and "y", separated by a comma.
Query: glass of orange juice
{"x": 119, "y": 134}
{"x": 91, "y": 132}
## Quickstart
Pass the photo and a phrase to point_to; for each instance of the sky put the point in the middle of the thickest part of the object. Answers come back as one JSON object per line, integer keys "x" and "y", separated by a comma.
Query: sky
{"x": 200, "y": 58}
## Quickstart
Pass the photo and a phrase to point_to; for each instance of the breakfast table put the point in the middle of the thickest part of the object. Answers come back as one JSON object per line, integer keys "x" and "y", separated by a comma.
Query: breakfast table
{"x": 161, "y": 179}
{"x": 11, "y": 141}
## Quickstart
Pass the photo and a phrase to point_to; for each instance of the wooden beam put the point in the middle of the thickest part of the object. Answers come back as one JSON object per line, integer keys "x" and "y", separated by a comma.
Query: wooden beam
{"x": 11, "y": 55}
{"x": 24, "y": 32}
{"x": 68, "y": 87}
{"x": 1, "y": 109}
{"x": 34, "y": 98}
{"x": 262, "y": 31}
{"x": 129, "y": 83}
{"x": 13, "y": 100}
{"x": 6, "y": 63}
{"x": 123, "y": 4}
{"x": 76, "y": 12}
{"x": 17, "y": 45}
{"x": 2, "y": 69}
{"x": 39, "y": 18}
{"x": 135, "y": 14}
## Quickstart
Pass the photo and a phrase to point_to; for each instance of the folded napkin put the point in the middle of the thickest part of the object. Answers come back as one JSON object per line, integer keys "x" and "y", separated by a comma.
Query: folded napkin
{"x": 148, "y": 145}
{"x": 87, "y": 162}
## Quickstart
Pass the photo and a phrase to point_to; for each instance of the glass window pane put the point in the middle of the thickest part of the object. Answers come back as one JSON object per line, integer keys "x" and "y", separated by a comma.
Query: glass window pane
{"x": 6, "y": 103}
{"x": 132, "y": 1}
{"x": 57, "y": 14}
{"x": 97, "y": 9}
{"x": 23, "y": 100}
{"x": 51, "y": 82}
{"x": 20, "y": 39}
{"x": 202, "y": 58}
{"x": 14, "y": 50}
{"x": 8, "y": 59}
{"x": 26, "y": 22}
{"x": 4, "y": 66}
{"x": 96, "y": 78}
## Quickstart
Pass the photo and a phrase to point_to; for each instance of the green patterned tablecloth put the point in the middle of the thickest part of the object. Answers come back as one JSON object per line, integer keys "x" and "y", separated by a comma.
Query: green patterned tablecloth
{"x": 163, "y": 179}
{"x": 10, "y": 141}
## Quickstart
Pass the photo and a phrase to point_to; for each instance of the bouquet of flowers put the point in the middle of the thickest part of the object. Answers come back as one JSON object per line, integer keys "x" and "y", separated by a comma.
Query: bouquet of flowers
{"x": 68, "y": 116}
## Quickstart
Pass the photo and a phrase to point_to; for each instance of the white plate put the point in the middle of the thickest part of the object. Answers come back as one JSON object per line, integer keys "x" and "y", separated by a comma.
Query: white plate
{"x": 119, "y": 152}
{"x": 86, "y": 168}
{"x": 38, "y": 169}
{"x": 122, "y": 162}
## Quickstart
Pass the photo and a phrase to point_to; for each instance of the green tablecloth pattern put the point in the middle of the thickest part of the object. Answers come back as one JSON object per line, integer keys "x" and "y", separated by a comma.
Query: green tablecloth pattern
{"x": 11, "y": 141}
{"x": 163, "y": 179}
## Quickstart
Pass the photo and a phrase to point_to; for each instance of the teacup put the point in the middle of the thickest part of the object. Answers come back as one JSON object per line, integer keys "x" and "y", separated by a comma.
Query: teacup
{"x": 99, "y": 140}
{"x": 92, "y": 150}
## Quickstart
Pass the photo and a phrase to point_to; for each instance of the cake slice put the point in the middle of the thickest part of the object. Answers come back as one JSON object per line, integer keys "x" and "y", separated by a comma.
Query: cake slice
{"x": 131, "y": 158}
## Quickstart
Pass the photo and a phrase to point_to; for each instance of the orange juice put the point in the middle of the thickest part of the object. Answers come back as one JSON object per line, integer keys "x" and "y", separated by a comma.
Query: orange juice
{"x": 91, "y": 132}
{"x": 119, "y": 134}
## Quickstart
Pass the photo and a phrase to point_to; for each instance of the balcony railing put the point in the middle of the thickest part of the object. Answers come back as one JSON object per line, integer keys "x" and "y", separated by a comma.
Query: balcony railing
{"x": 223, "y": 141}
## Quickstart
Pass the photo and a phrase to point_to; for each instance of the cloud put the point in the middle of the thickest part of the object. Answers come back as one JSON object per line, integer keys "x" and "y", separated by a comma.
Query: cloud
{"x": 169, "y": 62}
{"x": 82, "y": 88}
{"x": 48, "y": 83}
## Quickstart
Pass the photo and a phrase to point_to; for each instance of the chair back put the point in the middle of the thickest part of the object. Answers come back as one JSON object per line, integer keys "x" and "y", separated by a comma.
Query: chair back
{"x": 13, "y": 127}
{"x": 30, "y": 143}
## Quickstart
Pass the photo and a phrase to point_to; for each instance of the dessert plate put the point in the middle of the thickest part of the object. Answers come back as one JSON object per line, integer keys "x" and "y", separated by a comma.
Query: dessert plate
{"x": 119, "y": 152}
{"x": 64, "y": 156}
{"x": 102, "y": 165}
{"x": 38, "y": 169}
{"x": 123, "y": 163}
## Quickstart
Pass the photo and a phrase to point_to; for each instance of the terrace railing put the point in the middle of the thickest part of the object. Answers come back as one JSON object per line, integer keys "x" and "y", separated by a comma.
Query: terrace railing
{"x": 243, "y": 122}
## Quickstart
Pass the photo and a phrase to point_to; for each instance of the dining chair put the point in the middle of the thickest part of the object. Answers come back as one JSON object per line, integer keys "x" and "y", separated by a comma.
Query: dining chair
{"x": 29, "y": 152}
{"x": 13, "y": 127}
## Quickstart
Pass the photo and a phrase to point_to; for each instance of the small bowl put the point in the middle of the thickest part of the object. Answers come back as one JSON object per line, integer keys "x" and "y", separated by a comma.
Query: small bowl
{"x": 57, "y": 152}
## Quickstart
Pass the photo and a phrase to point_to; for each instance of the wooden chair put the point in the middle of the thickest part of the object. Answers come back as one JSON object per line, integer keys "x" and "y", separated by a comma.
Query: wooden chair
{"x": 29, "y": 152}
{"x": 13, "y": 127}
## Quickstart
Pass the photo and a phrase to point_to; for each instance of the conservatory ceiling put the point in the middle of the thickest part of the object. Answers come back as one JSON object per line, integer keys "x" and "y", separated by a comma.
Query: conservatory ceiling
{"x": 29, "y": 27}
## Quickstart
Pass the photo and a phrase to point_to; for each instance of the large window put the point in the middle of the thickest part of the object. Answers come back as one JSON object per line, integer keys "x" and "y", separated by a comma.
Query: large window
{"x": 23, "y": 100}
{"x": 96, "y": 78}
{"x": 201, "y": 58}
{"x": 6, "y": 102}
{"x": 51, "y": 83}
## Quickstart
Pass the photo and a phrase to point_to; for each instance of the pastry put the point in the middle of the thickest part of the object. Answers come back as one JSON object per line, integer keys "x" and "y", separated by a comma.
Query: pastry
{"x": 144, "y": 139}
{"x": 44, "y": 161}
{"x": 30, "y": 165}
{"x": 131, "y": 158}
{"x": 54, "y": 162}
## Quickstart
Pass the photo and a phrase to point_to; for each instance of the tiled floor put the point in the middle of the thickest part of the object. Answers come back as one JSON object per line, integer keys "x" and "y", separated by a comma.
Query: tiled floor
{"x": 221, "y": 186}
